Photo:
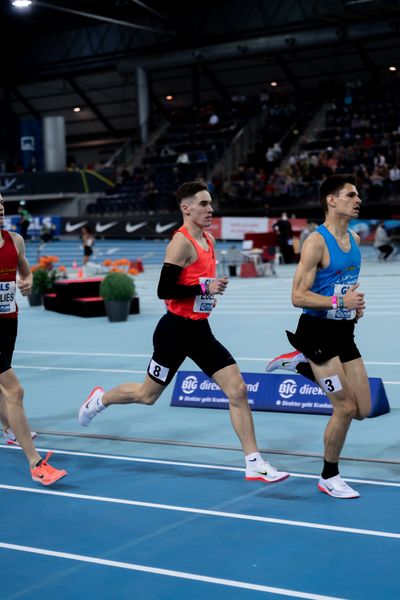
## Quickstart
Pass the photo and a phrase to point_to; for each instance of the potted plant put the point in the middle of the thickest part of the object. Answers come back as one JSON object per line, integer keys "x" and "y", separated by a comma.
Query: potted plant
{"x": 117, "y": 291}
{"x": 41, "y": 283}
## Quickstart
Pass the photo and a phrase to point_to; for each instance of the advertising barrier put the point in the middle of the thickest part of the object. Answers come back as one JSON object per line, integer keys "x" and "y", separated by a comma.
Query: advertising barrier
{"x": 268, "y": 392}
{"x": 11, "y": 223}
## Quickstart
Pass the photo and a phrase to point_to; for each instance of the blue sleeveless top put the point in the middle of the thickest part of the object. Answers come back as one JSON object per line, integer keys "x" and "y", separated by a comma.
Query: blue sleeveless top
{"x": 338, "y": 276}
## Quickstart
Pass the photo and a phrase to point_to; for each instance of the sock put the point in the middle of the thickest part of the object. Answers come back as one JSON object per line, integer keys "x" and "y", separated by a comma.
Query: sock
{"x": 253, "y": 460}
{"x": 330, "y": 470}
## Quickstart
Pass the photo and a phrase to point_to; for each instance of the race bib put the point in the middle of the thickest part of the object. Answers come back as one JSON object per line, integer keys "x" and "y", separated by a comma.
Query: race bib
{"x": 7, "y": 297}
{"x": 345, "y": 314}
{"x": 204, "y": 303}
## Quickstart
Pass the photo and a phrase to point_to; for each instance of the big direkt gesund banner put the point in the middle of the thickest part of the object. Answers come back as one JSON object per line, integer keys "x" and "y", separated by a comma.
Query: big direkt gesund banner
{"x": 268, "y": 392}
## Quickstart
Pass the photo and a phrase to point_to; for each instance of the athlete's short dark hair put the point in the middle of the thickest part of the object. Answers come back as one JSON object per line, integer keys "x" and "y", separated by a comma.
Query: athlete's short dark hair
{"x": 188, "y": 189}
{"x": 333, "y": 185}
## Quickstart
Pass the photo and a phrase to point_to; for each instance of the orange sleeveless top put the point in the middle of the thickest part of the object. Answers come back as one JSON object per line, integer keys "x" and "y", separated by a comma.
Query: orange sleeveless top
{"x": 8, "y": 277}
{"x": 203, "y": 268}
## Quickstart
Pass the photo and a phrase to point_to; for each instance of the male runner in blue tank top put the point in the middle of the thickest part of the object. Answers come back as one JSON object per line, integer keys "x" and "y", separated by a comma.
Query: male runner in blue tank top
{"x": 325, "y": 286}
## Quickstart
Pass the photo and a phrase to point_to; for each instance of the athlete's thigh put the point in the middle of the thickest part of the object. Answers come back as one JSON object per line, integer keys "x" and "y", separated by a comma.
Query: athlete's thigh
{"x": 207, "y": 352}
{"x": 170, "y": 342}
{"x": 332, "y": 378}
{"x": 8, "y": 383}
{"x": 357, "y": 376}
{"x": 229, "y": 379}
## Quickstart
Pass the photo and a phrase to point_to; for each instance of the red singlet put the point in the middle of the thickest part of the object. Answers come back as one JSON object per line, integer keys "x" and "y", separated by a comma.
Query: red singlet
{"x": 8, "y": 277}
{"x": 204, "y": 267}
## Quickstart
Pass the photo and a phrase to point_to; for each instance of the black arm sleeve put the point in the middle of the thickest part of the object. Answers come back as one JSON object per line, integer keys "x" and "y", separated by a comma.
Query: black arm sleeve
{"x": 168, "y": 288}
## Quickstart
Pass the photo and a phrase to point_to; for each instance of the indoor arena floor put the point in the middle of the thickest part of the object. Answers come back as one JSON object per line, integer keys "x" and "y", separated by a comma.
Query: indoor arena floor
{"x": 155, "y": 505}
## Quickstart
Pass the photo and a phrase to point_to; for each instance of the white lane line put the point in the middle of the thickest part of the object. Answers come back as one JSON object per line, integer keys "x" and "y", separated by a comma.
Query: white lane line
{"x": 48, "y": 368}
{"x": 107, "y": 354}
{"x": 185, "y": 464}
{"x": 167, "y": 572}
{"x": 90, "y": 370}
{"x": 126, "y": 355}
{"x": 209, "y": 513}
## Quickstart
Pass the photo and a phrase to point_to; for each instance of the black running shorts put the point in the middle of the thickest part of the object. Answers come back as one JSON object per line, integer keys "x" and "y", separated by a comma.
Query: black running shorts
{"x": 8, "y": 335}
{"x": 176, "y": 338}
{"x": 321, "y": 339}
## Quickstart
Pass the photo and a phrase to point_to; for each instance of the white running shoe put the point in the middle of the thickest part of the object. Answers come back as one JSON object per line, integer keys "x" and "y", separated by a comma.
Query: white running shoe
{"x": 288, "y": 362}
{"x": 265, "y": 472}
{"x": 336, "y": 487}
{"x": 91, "y": 407}
{"x": 10, "y": 438}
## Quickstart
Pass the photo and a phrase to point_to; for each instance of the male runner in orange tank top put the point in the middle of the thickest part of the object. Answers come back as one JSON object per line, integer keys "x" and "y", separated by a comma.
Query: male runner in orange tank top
{"x": 13, "y": 261}
{"x": 188, "y": 284}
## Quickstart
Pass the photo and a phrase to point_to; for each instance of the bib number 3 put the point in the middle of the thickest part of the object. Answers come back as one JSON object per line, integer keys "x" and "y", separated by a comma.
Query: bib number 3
{"x": 330, "y": 384}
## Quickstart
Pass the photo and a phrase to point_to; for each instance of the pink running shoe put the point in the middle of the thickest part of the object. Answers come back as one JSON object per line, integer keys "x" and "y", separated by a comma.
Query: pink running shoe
{"x": 91, "y": 407}
{"x": 10, "y": 438}
{"x": 288, "y": 362}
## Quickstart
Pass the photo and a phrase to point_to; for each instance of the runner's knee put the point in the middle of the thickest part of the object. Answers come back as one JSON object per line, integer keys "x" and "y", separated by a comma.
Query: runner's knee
{"x": 14, "y": 394}
{"x": 238, "y": 394}
{"x": 147, "y": 396}
{"x": 346, "y": 408}
{"x": 362, "y": 412}
{"x": 148, "y": 399}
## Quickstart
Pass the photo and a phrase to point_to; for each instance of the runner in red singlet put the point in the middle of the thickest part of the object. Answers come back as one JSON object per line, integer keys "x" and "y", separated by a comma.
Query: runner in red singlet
{"x": 13, "y": 261}
{"x": 188, "y": 283}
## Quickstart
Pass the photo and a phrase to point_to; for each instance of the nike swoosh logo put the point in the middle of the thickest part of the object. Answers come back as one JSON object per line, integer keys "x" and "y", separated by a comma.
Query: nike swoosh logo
{"x": 162, "y": 228}
{"x": 130, "y": 228}
{"x": 40, "y": 476}
{"x": 69, "y": 228}
{"x": 252, "y": 459}
{"x": 100, "y": 228}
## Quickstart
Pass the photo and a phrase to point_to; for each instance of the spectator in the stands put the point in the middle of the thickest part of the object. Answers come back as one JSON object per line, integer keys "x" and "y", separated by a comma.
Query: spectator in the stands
{"x": 305, "y": 232}
{"x": 47, "y": 231}
{"x": 394, "y": 176}
{"x": 284, "y": 233}
{"x": 183, "y": 158}
{"x": 151, "y": 196}
{"x": 166, "y": 151}
{"x": 383, "y": 241}
{"x": 213, "y": 120}
{"x": 24, "y": 219}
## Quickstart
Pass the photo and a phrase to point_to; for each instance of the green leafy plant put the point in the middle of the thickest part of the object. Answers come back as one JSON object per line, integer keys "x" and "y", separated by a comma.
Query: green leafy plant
{"x": 117, "y": 286}
{"x": 41, "y": 281}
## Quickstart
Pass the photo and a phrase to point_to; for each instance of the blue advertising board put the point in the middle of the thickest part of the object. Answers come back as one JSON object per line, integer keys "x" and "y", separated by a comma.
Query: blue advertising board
{"x": 11, "y": 223}
{"x": 268, "y": 392}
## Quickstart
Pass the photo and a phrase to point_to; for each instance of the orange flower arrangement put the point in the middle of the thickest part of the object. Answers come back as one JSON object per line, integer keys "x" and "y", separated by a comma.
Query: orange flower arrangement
{"x": 47, "y": 263}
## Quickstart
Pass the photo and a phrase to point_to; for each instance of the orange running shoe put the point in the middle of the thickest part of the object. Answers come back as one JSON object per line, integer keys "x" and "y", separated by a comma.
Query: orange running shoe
{"x": 45, "y": 473}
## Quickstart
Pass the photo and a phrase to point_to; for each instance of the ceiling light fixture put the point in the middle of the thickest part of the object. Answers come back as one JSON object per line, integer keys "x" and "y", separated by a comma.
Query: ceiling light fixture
{"x": 21, "y": 3}
{"x": 169, "y": 97}
{"x": 81, "y": 13}
{"x": 273, "y": 83}
{"x": 392, "y": 68}
{"x": 77, "y": 109}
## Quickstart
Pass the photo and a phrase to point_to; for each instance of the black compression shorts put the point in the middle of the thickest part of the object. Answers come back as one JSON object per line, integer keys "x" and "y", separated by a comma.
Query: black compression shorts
{"x": 176, "y": 338}
{"x": 321, "y": 339}
{"x": 8, "y": 336}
